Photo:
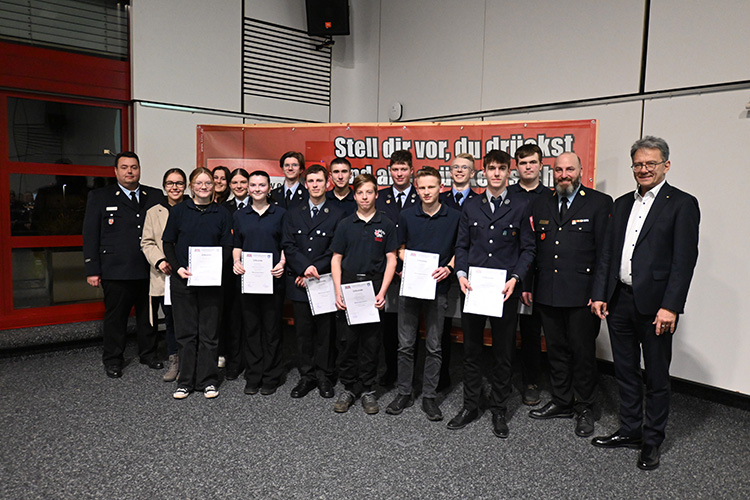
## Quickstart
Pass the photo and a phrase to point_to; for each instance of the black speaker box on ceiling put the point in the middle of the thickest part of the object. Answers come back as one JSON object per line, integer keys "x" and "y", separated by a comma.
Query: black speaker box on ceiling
{"x": 327, "y": 17}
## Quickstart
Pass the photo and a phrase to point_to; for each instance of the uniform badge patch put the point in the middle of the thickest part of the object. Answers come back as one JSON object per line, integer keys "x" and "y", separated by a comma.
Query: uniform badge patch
{"x": 379, "y": 233}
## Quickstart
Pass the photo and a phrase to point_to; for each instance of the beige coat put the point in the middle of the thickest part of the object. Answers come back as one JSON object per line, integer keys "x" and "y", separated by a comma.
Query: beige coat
{"x": 152, "y": 247}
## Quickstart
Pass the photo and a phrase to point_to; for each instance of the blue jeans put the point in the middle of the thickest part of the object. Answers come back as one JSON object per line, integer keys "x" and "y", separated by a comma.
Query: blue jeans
{"x": 408, "y": 324}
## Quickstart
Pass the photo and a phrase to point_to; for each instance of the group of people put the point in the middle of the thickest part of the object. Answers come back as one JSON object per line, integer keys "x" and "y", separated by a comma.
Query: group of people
{"x": 571, "y": 256}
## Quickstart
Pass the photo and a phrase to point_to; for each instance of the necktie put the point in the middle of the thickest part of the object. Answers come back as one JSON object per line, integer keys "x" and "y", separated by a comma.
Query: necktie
{"x": 400, "y": 200}
{"x": 459, "y": 196}
{"x": 288, "y": 196}
{"x": 241, "y": 205}
{"x": 563, "y": 207}
{"x": 134, "y": 199}
{"x": 496, "y": 202}
{"x": 315, "y": 211}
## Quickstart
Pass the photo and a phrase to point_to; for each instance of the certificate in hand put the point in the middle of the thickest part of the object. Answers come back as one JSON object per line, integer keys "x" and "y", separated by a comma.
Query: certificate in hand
{"x": 321, "y": 294}
{"x": 167, "y": 290}
{"x": 359, "y": 299}
{"x": 205, "y": 266}
{"x": 416, "y": 277}
{"x": 486, "y": 295}
{"x": 257, "y": 277}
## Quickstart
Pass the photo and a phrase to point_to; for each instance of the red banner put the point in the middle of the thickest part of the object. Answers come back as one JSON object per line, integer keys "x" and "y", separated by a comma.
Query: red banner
{"x": 368, "y": 146}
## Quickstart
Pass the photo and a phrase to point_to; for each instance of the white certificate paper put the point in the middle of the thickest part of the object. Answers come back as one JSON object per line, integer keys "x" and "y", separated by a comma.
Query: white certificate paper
{"x": 486, "y": 295}
{"x": 416, "y": 277}
{"x": 321, "y": 294}
{"x": 205, "y": 266}
{"x": 167, "y": 291}
{"x": 359, "y": 299}
{"x": 257, "y": 277}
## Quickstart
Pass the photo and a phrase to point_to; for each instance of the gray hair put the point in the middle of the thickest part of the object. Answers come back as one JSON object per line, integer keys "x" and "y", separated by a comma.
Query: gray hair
{"x": 651, "y": 142}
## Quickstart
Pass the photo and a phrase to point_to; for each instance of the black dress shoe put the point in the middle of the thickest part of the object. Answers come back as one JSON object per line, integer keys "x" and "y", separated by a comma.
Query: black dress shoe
{"x": 499, "y": 425}
{"x": 154, "y": 364}
{"x": 113, "y": 371}
{"x": 648, "y": 459}
{"x": 551, "y": 410}
{"x": 464, "y": 418}
{"x": 251, "y": 388}
{"x": 617, "y": 440}
{"x": 585, "y": 423}
{"x": 431, "y": 409}
{"x": 325, "y": 388}
{"x": 303, "y": 387}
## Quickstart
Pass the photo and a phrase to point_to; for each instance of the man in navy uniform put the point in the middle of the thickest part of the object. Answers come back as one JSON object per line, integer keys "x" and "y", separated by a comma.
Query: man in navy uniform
{"x": 462, "y": 171}
{"x": 495, "y": 232}
{"x": 308, "y": 232}
{"x": 640, "y": 287}
{"x": 569, "y": 224}
{"x": 291, "y": 193}
{"x": 341, "y": 195}
{"x": 529, "y": 166}
{"x": 391, "y": 201}
{"x": 113, "y": 259}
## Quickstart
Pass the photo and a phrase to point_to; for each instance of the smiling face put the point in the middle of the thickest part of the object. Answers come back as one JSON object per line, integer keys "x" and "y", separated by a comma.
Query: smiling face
{"x": 202, "y": 187}
{"x": 258, "y": 188}
{"x": 316, "y": 184}
{"x": 128, "y": 173}
{"x": 401, "y": 174}
{"x": 175, "y": 187}
{"x": 291, "y": 169}
{"x": 497, "y": 176}
{"x": 238, "y": 185}
{"x": 646, "y": 176}
{"x": 567, "y": 174}
{"x": 462, "y": 170}
{"x": 220, "y": 180}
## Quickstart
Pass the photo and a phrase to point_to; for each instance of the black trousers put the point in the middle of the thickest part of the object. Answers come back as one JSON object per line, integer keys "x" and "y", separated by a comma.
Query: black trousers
{"x": 120, "y": 296}
{"x": 315, "y": 346}
{"x": 261, "y": 340}
{"x": 503, "y": 345}
{"x": 571, "y": 349}
{"x": 359, "y": 346}
{"x": 531, "y": 346}
{"x": 197, "y": 313}
{"x": 629, "y": 332}
{"x": 230, "y": 329}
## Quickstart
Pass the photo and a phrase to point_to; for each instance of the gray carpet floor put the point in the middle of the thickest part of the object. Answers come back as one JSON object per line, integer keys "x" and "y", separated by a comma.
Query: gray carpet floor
{"x": 70, "y": 432}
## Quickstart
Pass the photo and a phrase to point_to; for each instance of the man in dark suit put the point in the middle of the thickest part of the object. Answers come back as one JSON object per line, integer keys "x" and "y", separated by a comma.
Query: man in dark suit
{"x": 494, "y": 231}
{"x": 569, "y": 224}
{"x": 462, "y": 172}
{"x": 640, "y": 287}
{"x": 529, "y": 166}
{"x": 308, "y": 232}
{"x": 391, "y": 201}
{"x": 291, "y": 193}
{"x": 112, "y": 254}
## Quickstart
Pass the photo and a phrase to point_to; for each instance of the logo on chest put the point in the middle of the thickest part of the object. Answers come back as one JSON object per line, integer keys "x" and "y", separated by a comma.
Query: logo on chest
{"x": 379, "y": 234}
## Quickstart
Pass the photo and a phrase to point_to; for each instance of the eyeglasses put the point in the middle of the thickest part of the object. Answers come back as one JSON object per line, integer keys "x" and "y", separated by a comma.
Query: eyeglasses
{"x": 649, "y": 165}
{"x": 460, "y": 168}
{"x": 170, "y": 184}
{"x": 203, "y": 184}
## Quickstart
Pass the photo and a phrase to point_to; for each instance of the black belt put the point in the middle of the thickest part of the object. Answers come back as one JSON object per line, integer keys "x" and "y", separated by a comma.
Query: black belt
{"x": 625, "y": 286}
{"x": 348, "y": 277}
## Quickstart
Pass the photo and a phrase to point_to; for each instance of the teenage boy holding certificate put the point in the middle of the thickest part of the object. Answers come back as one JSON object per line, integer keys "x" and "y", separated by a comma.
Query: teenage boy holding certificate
{"x": 308, "y": 231}
{"x": 192, "y": 224}
{"x": 427, "y": 230}
{"x": 364, "y": 250}
{"x": 494, "y": 232}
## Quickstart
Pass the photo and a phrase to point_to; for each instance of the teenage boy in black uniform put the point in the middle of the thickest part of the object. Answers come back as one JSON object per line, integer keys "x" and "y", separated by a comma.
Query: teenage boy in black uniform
{"x": 391, "y": 201}
{"x": 429, "y": 227}
{"x": 364, "y": 249}
{"x": 292, "y": 193}
{"x": 341, "y": 195}
{"x": 308, "y": 231}
{"x": 494, "y": 232}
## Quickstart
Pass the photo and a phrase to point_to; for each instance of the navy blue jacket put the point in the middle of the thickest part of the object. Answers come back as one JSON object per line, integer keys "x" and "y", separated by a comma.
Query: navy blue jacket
{"x": 446, "y": 198}
{"x": 567, "y": 250}
{"x": 386, "y": 203}
{"x": 501, "y": 240}
{"x": 112, "y": 230}
{"x": 299, "y": 198}
{"x": 307, "y": 242}
{"x": 665, "y": 253}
